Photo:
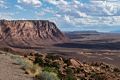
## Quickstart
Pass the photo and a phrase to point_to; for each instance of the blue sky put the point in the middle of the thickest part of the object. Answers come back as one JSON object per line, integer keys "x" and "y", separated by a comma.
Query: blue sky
{"x": 69, "y": 15}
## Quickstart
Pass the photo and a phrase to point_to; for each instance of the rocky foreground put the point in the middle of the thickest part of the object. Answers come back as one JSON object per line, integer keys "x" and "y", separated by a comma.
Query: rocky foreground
{"x": 43, "y": 66}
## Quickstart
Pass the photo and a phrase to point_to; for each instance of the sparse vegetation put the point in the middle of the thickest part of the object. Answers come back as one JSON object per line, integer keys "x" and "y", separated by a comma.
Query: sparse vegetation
{"x": 97, "y": 76}
{"x": 34, "y": 70}
{"x": 27, "y": 65}
{"x": 39, "y": 60}
{"x": 48, "y": 76}
{"x": 52, "y": 68}
{"x": 70, "y": 77}
{"x": 116, "y": 70}
{"x": 69, "y": 71}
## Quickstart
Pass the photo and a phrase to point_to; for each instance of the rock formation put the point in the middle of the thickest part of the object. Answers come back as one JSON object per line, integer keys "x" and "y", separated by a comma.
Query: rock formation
{"x": 30, "y": 33}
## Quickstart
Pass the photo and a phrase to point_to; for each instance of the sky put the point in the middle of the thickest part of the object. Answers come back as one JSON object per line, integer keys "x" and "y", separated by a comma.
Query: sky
{"x": 69, "y": 15}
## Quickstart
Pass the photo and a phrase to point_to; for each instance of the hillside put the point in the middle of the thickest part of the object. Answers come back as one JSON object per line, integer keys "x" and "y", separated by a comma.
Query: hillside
{"x": 10, "y": 71}
{"x": 39, "y": 66}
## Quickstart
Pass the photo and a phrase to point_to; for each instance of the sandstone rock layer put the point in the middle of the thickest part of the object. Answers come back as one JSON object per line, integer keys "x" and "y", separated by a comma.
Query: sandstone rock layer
{"x": 30, "y": 33}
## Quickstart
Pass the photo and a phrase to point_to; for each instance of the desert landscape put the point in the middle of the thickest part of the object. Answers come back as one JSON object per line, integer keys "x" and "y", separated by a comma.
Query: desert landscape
{"x": 84, "y": 45}
{"x": 36, "y": 45}
{"x": 94, "y": 46}
{"x": 59, "y": 39}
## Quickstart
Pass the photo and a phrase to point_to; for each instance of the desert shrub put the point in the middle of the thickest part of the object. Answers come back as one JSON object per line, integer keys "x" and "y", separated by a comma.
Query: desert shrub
{"x": 28, "y": 66}
{"x": 69, "y": 71}
{"x": 105, "y": 66}
{"x": 38, "y": 55}
{"x": 34, "y": 70}
{"x": 53, "y": 57}
{"x": 92, "y": 74}
{"x": 20, "y": 60}
{"x": 78, "y": 70}
{"x": 50, "y": 69}
{"x": 10, "y": 50}
{"x": 116, "y": 70}
{"x": 48, "y": 63}
{"x": 70, "y": 77}
{"x": 82, "y": 78}
{"x": 48, "y": 76}
{"x": 6, "y": 49}
{"x": 95, "y": 64}
{"x": 56, "y": 65}
{"x": 97, "y": 76}
{"x": 16, "y": 57}
{"x": 39, "y": 60}
{"x": 67, "y": 62}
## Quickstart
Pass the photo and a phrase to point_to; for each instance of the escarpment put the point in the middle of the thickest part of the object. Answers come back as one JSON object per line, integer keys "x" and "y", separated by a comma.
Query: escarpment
{"x": 30, "y": 33}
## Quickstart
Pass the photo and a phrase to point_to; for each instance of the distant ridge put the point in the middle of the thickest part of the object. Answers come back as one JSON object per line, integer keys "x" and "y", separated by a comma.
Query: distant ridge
{"x": 76, "y": 32}
{"x": 115, "y": 31}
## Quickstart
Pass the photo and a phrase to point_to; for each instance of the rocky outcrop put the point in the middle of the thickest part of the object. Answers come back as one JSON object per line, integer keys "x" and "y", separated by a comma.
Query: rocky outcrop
{"x": 30, "y": 33}
{"x": 74, "y": 63}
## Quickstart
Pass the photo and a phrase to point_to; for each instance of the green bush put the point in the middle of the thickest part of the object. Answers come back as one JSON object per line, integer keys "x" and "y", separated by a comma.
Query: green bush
{"x": 39, "y": 60}
{"x": 20, "y": 61}
{"x": 69, "y": 71}
{"x": 95, "y": 64}
{"x": 78, "y": 70}
{"x": 56, "y": 65}
{"x": 48, "y": 76}
{"x": 67, "y": 62}
{"x": 70, "y": 77}
{"x": 97, "y": 76}
{"x": 50, "y": 69}
{"x": 53, "y": 57}
{"x": 116, "y": 70}
{"x": 82, "y": 78}
{"x": 34, "y": 70}
{"x": 27, "y": 65}
{"x": 48, "y": 63}
{"x": 6, "y": 49}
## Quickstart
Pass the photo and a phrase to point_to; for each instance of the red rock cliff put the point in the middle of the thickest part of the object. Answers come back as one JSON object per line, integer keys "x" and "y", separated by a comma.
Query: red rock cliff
{"x": 30, "y": 32}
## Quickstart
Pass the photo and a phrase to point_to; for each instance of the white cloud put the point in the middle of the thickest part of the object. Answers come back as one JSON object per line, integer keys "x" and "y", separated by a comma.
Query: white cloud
{"x": 76, "y": 2}
{"x": 19, "y": 7}
{"x": 35, "y": 3}
{"x": 5, "y": 15}
{"x": 108, "y": 7}
{"x": 40, "y": 13}
{"x": 57, "y": 2}
{"x": 61, "y": 4}
{"x": 48, "y": 10}
{"x": 95, "y": 12}
{"x": 75, "y": 12}
{"x": 67, "y": 18}
{"x": 81, "y": 14}
{"x": 3, "y": 4}
{"x": 58, "y": 15}
{"x": 52, "y": 2}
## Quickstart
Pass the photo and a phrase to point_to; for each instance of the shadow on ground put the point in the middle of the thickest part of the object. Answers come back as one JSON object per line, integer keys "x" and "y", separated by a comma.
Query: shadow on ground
{"x": 97, "y": 46}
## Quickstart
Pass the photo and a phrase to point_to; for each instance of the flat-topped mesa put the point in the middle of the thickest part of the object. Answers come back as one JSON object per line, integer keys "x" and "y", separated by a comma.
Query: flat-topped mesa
{"x": 30, "y": 32}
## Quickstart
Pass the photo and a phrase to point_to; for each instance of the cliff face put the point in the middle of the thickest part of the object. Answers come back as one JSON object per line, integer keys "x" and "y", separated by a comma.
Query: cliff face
{"x": 30, "y": 32}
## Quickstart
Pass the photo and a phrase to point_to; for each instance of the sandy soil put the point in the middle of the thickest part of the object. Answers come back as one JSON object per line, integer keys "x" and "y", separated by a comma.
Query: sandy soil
{"x": 10, "y": 71}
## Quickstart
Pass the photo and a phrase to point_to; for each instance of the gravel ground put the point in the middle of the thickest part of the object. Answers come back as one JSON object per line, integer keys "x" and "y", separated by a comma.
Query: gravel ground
{"x": 10, "y": 71}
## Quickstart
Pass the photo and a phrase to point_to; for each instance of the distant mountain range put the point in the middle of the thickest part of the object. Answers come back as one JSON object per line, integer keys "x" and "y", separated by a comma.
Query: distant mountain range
{"x": 83, "y": 32}
{"x": 115, "y": 31}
